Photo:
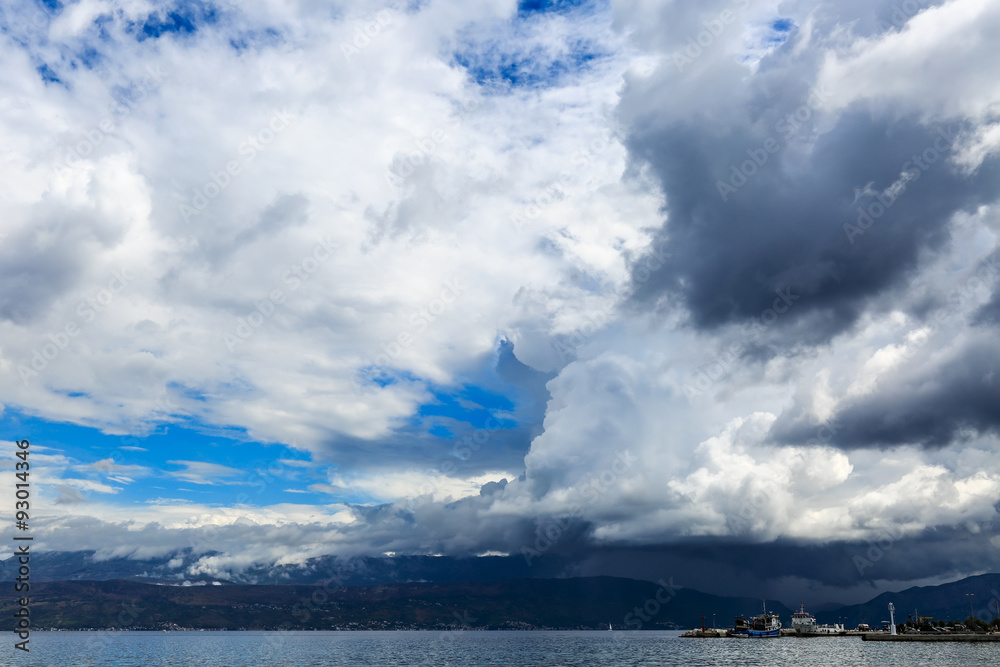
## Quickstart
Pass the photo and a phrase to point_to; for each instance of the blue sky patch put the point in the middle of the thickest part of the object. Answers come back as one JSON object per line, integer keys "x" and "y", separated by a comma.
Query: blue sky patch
{"x": 781, "y": 30}
{"x": 200, "y": 465}
{"x": 783, "y": 25}
{"x": 383, "y": 376}
{"x": 472, "y": 405}
{"x": 88, "y": 57}
{"x": 184, "y": 18}
{"x": 525, "y": 7}
{"x": 440, "y": 431}
{"x": 48, "y": 74}
{"x": 539, "y": 48}
{"x": 103, "y": 24}
{"x": 494, "y": 67}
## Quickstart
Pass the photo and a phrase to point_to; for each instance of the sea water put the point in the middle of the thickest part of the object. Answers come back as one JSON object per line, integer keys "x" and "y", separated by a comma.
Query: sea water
{"x": 515, "y": 648}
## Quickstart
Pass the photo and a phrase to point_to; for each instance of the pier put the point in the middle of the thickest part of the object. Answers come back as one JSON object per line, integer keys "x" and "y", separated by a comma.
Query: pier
{"x": 932, "y": 637}
{"x": 717, "y": 633}
{"x": 710, "y": 633}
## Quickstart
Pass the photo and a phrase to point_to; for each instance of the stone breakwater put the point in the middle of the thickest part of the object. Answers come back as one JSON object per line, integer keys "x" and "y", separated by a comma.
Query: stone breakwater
{"x": 942, "y": 637}
{"x": 715, "y": 633}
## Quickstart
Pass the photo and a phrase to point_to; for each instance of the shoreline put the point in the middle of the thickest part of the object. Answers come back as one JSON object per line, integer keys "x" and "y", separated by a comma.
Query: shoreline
{"x": 942, "y": 637}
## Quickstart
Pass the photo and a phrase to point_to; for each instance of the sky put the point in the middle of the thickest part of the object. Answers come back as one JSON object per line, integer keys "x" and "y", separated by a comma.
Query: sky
{"x": 704, "y": 290}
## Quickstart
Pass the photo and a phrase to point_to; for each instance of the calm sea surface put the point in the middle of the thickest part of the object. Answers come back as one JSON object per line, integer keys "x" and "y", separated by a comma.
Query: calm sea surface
{"x": 148, "y": 649}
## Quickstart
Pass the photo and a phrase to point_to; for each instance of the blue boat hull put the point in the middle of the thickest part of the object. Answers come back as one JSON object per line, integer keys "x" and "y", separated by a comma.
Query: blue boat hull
{"x": 764, "y": 633}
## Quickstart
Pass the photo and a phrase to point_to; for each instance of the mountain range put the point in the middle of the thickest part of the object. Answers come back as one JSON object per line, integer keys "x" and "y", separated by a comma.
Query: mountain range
{"x": 943, "y": 602}
{"x": 587, "y": 603}
{"x": 79, "y": 590}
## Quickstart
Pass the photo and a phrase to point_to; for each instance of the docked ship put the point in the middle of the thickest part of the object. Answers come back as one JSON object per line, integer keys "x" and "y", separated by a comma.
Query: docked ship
{"x": 802, "y": 622}
{"x": 835, "y": 629}
{"x": 741, "y": 627}
{"x": 762, "y": 625}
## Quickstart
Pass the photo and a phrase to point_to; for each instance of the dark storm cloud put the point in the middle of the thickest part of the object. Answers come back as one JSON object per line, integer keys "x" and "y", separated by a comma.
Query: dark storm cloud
{"x": 727, "y": 567}
{"x": 783, "y": 228}
{"x": 718, "y": 565}
{"x": 931, "y": 405}
{"x": 458, "y": 529}
{"x": 989, "y": 313}
{"x": 759, "y": 181}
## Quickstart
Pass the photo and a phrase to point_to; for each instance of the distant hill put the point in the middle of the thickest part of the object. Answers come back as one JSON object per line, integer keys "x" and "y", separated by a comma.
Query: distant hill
{"x": 582, "y": 603}
{"x": 946, "y": 601}
{"x": 360, "y": 571}
{"x": 74, "y": 590}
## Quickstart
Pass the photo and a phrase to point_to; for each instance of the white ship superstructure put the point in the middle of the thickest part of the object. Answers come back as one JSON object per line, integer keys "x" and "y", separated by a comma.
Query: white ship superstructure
{"x": 803, "y": 622}
{"x": 835, "y": 629}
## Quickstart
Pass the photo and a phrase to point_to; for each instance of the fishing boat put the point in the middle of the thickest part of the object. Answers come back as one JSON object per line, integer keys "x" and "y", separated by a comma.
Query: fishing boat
{"x": 741, "y": 627}
{"x": 762, "y": 625}
{"x": 765, "y": 625}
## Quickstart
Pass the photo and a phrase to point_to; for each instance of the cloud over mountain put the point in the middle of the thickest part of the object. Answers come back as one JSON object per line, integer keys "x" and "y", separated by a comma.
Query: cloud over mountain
{"x": 621, "y": 282}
